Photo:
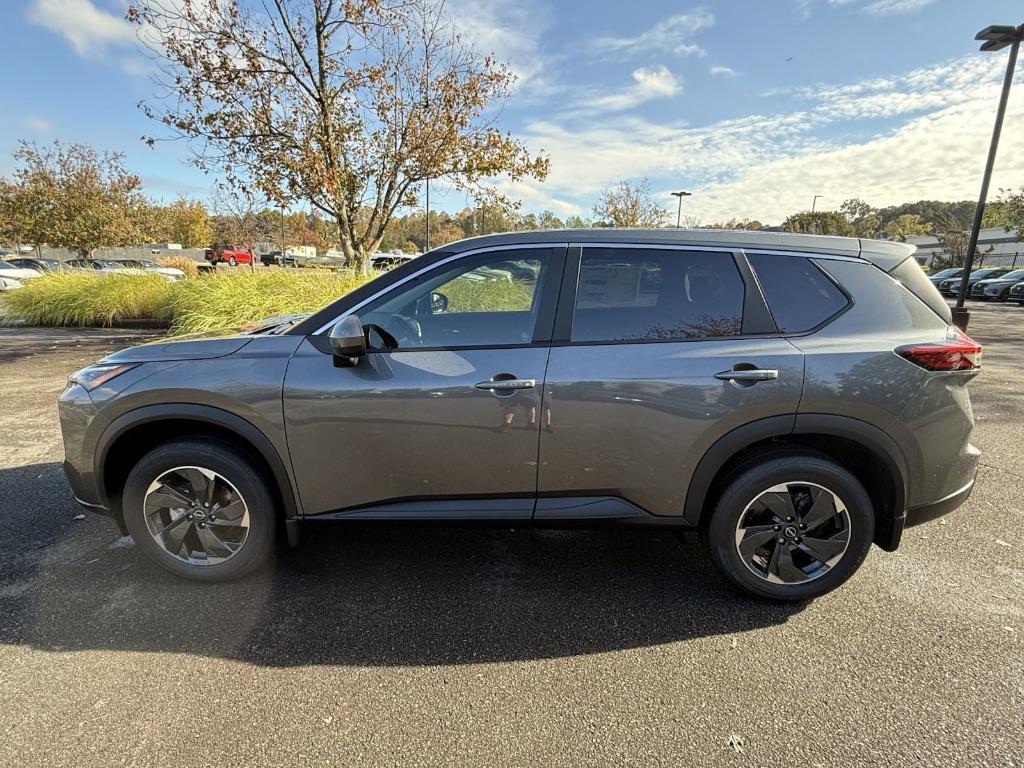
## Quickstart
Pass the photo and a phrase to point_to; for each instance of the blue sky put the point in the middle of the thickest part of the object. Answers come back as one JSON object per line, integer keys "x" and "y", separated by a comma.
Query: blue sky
{"x": 753, "y": 106}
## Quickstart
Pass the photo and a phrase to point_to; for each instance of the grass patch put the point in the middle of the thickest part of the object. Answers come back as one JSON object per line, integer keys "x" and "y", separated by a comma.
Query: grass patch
{"x": 81, "y": 299}
{"x": 189, "y": 266}
{"x": 233, "y": 298}
{"x": 223, "y": 300}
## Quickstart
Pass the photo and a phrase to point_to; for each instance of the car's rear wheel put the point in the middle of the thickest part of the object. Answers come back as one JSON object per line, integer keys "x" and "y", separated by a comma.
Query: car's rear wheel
{"x": 200, "y": 509}
{"x": 232, "y": 261}
{"x": 790, "y": 527}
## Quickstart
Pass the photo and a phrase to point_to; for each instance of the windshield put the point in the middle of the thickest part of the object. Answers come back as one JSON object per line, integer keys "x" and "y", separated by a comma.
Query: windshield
{"x": 948, "y": 272}
{"x": 5, "y": 265}
{"x": 1017, "y": 274}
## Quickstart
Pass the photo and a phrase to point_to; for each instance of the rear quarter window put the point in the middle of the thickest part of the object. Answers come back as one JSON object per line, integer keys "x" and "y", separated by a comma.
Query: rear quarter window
{"x": 913, "y": 278}
{"x": 799, "y": 295}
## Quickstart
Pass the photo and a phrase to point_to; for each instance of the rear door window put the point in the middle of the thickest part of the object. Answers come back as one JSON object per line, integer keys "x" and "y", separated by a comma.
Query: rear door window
{"x": 639, "y": 294}
{"x": 799, "y": 295}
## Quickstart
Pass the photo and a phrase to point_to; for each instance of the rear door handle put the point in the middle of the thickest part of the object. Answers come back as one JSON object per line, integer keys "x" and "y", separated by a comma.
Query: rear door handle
{"x": 507, "y": 384}
{"x": 749, "y": 374}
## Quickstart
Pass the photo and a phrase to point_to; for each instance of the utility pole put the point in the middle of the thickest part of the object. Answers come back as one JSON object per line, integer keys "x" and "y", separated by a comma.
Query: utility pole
{"x": 996, "y": 38}
{"x": 814, "y": 202}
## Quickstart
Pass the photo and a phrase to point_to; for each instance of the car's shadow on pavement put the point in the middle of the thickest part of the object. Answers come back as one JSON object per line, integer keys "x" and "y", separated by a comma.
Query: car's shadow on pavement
{"x": 359, "y": 596}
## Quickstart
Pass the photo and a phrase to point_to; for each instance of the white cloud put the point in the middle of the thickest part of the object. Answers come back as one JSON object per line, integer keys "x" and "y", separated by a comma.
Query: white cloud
{"x": 890, "y": 7}
{"x": 89, "y": 29}
{"x": 762, "y": 166}
{"x": 721, "y": 71}
{"x": 671, "y": 35}
{"x": 648, "y": 83}
{"x": 39, "y": 124}
{"x": 510, "y": 31}
{"x": 872, "y": 7}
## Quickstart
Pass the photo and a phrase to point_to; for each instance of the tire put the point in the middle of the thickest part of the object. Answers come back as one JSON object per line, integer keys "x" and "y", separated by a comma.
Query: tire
{"x": 241, "y": 549}
{"x": 233, "y": 261}
{"x": 806, "y": 476}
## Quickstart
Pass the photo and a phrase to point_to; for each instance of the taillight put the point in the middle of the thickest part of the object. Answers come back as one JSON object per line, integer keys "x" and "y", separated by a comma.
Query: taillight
{"x": 959, "y": 352}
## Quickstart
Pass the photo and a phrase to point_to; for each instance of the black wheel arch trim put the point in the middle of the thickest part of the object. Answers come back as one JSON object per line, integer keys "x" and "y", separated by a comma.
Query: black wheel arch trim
{"x": 245, "y": 430}
{"x": 730, "y": 444}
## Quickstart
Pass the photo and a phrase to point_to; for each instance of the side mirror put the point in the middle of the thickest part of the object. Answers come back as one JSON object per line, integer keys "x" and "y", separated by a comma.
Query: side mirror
{"x": 438, "y": 302}
{"x": 348, "y": 343}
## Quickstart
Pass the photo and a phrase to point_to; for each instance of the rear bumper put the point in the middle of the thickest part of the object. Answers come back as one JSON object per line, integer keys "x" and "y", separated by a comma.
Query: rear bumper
{"x": 945, "y": 505}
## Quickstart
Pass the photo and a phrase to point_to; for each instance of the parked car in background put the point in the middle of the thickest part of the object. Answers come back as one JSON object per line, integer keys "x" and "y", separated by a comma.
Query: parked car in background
{"x": 40, "y": 265}
{"x": 279, "y": 259}
{"x": 792, "y": 398}
{"x": 997, "y": 288}
{"x": 8, "y": 270}
{"x": 152, "y": 267}
{"x": 952, "y": 287}
{"x": 945, "y": 274}
{"x": 104, "y": 266}
{"x": 382, "y": 262}
{"x": 232, "y": 254}
{"x": 9, "y": 283}
{"x": 1017, "y": 293}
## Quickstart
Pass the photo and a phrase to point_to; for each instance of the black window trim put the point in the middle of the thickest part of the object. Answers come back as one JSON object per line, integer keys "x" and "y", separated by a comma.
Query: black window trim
{"x": 441, "y": 258}
{"x": 760, "y": 324}
{"x": 814, "y": 258}
{"x": 542, "y": 327}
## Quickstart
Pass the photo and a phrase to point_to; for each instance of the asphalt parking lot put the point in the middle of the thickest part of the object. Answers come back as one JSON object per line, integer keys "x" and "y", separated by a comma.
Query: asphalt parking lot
{"x": 418, "y": 647}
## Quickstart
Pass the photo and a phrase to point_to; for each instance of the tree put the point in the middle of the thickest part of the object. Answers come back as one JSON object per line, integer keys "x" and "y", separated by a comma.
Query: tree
{"x": 749, "y": 224}
{"x": 907, "y": 225}
{"x": 348, "y": 105}
{"x": 236, "y": 217}
{"x": 628, "y": 204}
{"x": 954, "y": 244}
{"x": 819, "y": 223}
{"x": 864, "y": 218}
{"x": 184, "y": 221}
{"x": 72, "y": 196}
{"x": 14, "y": 214}
{"x": 1007, "y": 212}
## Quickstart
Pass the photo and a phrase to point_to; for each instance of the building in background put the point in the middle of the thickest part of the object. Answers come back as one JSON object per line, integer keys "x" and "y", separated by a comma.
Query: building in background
{"x": 996, "y": 248}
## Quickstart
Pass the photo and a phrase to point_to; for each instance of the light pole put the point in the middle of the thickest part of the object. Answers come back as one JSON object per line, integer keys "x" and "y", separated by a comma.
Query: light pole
{"x": 679, "y": 210}
{"x": 426, "y": 243}
{"x": 996, "y": 38}
{"x": 814, "y": 202}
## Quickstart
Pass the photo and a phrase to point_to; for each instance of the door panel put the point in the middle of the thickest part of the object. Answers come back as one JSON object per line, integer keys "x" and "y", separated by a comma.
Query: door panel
{"x": 412, "y": 425}
{"x": 633, "y": 420}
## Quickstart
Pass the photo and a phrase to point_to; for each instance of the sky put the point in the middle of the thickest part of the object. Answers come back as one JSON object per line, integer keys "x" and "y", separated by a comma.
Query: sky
{"x": 752, "y": 106}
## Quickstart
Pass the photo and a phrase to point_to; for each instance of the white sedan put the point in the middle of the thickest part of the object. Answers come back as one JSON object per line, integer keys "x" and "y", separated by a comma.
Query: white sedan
{"x": 17, "y": 273}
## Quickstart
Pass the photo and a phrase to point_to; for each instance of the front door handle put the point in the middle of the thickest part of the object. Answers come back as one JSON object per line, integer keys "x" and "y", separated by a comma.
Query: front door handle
{"x": 749, "y": 374}
{"x": 506, "y": 384}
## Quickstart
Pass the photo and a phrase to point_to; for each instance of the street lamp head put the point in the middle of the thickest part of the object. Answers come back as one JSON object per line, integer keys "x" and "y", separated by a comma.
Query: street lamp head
{"x": 681, "y": 194}
{"x": 998, "y": 36}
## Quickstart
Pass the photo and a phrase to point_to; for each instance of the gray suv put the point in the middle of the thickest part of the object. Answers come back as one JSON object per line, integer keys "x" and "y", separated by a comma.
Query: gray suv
{"x": 792, "y": 398}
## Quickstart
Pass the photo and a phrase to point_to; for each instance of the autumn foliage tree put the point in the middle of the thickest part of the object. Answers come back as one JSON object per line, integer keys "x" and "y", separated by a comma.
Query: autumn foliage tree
{"x": 629, "y": 204}
{"x": 819, "y": 223}
{"x": 346, "y": 104}
{"x": 71, "y": 196}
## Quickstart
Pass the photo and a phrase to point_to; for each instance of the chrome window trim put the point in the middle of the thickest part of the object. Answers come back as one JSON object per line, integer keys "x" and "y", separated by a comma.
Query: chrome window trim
{"x": 461, "y": 254}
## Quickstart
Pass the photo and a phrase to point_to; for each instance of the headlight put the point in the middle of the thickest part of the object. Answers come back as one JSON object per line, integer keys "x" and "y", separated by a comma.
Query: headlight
{"x": 94, "y": 375}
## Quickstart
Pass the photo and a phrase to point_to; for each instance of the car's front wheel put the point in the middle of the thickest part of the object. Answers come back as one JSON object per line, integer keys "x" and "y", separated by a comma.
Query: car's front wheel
{"x": 200, "y": 509}
{"x": 790, "y": 527}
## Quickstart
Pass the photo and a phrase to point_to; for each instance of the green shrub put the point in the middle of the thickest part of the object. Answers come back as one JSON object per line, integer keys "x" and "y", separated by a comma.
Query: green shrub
{"x": 80, "y": 298}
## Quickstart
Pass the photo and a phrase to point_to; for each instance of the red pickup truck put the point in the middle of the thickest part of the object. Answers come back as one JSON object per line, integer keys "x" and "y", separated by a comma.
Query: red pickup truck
{"x": 232, "y": 254}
